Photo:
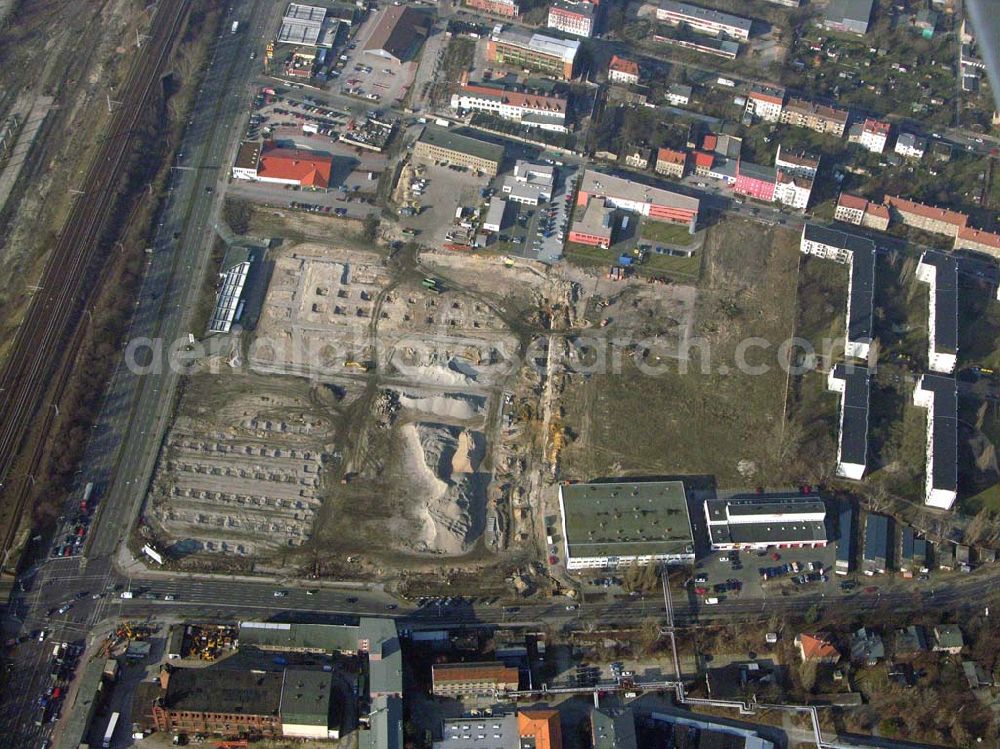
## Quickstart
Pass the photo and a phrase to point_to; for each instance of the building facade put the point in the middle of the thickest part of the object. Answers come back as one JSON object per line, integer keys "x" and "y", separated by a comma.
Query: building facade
{"x": 793, "y": 190}
{"x": 799, "y": 164}
{"x": 817, "y": 117}
{"x": 533, "y": 110}
{"x": 755, "y": 181}
{"x": 503, "y": 8}
{"x": 483, "y": 678}
{"x": 572, "y": 17}
{"x": 874, "y": 135}
{"x": 704, "y": 20}
{"x": 980, "y": 241}
{"x": 440, "y": 144}
{"x": 939, "y": 396}
{"x": 671, "y": 163}
{"x": 910, "y": 146}
{"x": 766, "y": 102}
{"x": 927, "y": 217}
{"x": 785, "y": 520}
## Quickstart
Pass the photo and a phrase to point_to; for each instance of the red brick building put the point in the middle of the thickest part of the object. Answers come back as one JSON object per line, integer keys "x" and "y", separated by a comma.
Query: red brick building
{"x": 504, "y": 8}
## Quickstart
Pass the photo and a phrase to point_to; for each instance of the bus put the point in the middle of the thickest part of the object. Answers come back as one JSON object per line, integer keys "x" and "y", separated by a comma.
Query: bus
{"x": 432, "y": 284}
{"x": 108, "y": 734}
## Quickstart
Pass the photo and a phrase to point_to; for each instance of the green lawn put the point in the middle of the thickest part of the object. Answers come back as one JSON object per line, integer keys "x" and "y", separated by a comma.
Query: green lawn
{"x": 664, "y": 233}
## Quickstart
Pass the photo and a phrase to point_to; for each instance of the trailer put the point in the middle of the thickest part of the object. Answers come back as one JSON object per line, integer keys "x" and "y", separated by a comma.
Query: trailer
{"x": 235, "y": 27}
{"x": 110, "y": 732}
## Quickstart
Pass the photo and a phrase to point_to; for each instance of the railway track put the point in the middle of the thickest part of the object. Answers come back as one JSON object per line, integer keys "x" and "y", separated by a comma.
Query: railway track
{"x": 40, "y": 360}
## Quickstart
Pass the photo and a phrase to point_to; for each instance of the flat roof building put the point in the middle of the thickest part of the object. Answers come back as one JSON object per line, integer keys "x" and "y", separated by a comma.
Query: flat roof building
{"x": 469, "y": 732}
{"x": 939, "y": 396}
{"x": 523, "y": 49}
{"x": 612, "y": 729}
{"x": 878, "y": 535}
{"x": 653, "y": 202}
{"x": 787, "y": 520}
{"x": 496, "y": 211}
{"x": 851, "y": 16}
{"x": 940, "y": 272}
{"x": 307, "y": 26}
{"x": 853, "y": 383}
{"x": 859, "y": 254}
{"x": 441, "y": 144}
{"x": 398, "y": 34}
{"x": 595, "y": 227}
{"x": 622, "y": 523}
{"x": 305, "y": 704}
{"x": 704, "y": 20}
{"x": 845, "y": 541}
{"x": 486, "y": 678}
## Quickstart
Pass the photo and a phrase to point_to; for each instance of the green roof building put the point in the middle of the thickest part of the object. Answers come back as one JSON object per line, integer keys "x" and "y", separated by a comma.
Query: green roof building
{"x": 616, "y": 524}
{"x": 305, "y": 704}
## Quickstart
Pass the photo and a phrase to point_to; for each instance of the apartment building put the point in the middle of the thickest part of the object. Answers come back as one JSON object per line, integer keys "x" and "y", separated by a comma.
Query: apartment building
{"x": 797, "y": 163}
{"x": 671, "y": 163}
{"x": 939, "y": 396}
{"x": 872, "y": 135}
{"x": 926, "y": 217}
{"x": 572, "y": 17}
{"x": 855, "y": 210}
{"x": 853, "y": 383}
{"x": 504, "y": 8}
{"x": 531, "y": 110}
{"x": 523, "y": 49}
{"x": 910, "y": 146}
{"x": 766, "y": 102}
{"x": 755, "y": 180}
{"x": 940, "y": 271}
{"x": 704, "y": 20}
{"x": 621, "y": 70}
{"x": 679, "y": 95}
{"x": 818, "y": 117}
{"x": 637, "y": 157}
{"x": 792, "y": 190}
{"x": 486, "y": 678}
{"x": 981, "y": 241}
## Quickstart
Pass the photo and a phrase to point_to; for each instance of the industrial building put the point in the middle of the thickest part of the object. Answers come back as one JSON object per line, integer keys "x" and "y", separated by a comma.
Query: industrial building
{"x": 853, "y": 382}
{"x": 531, "y": 110}
{"x": 652, "y": 202}
{"x": 398, "y": 35}
{"x": 614, "y": 524}
{"x": 459, "y": 679}
{"x": 940, "y": 272}
{"x": 527, "y": 729}
{"x": 496, "y": 213}
{"x": 573, "y": 17}
{"x": 850, "y": 16}
{"x": 530, "y": 183}
{"x": 786, "y": 520}
{"x": 523, "y": 49}
{"x": 307, "y": 26}
{"x": 859, "y": 254}
{"x": 235, "y": 270}
{"x": 939, "y": 396}
{"x": 441, "y": 144}
{"x": 875, "y": 557}
{"x": 704, "y": 20}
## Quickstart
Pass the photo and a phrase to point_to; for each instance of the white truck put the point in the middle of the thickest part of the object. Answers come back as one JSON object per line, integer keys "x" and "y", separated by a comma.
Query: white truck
{"x": 109, "y": 734}
{"x": 235, "y": 27}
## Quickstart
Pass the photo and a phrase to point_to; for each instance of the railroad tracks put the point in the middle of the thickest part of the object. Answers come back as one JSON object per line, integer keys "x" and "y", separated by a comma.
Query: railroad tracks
{"x": 40, "y": 363}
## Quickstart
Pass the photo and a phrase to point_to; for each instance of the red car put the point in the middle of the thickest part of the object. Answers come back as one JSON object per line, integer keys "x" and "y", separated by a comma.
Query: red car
{"x": 701, "y": 591}
{"x": 775, "y": 556}
{"x": 553, "y": 560}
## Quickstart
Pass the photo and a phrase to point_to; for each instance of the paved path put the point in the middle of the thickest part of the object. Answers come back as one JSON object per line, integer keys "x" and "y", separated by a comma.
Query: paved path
{"x": 33, "y": 115}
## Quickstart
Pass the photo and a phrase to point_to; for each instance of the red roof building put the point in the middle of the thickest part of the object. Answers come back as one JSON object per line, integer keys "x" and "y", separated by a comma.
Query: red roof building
{"x": 927, "y": 217}
{"x": 975, "y": 239}
{"x": 622, "y": 70}
{"x": 541, "y": 727}
{"x": 292, "y": 166}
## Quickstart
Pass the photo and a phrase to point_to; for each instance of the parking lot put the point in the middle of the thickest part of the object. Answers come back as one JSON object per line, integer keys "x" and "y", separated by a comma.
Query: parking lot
{"x": 369, "y": 77}
{"x": 730, "y": 574}
{"x": 539, "y": 232}
{"x": 446, "y": 190}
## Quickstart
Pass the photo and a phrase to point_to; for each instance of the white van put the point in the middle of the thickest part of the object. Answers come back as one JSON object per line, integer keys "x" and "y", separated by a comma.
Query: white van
{"x": 711, "y": 601}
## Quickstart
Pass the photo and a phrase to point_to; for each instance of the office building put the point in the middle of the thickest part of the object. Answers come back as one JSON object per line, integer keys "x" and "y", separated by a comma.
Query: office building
{"x": 522, "y": 49}
{"x": 653, "y": 202}
{"x": 441, "y": 144}
{"x": 531, "y": 110}
{"x": 469, "y": 679}
{"x": 595, "y": 227}
{"x": 609, "y": 525}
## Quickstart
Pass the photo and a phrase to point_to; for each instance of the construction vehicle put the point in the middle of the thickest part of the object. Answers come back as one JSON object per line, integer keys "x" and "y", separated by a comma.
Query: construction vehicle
{"x": 432, "y": 284}
{"x": 358, "y": 365}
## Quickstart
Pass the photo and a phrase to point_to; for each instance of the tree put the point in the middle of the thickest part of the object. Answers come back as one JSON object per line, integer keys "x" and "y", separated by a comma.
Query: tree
{"x": 371, "y": 224}
{"x": 812, "y": 614}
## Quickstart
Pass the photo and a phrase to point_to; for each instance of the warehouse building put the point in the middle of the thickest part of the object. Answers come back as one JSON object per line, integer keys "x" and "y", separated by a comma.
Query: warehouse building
{"x": 268, "y": 162}
{"x": 441, "y": 144}
{"x": 615, "y": 524}
{"x": 850, "y": 16}
{"x": 875, "y": 558}
{"x": 845, "y": 541}
{"x": 704, "y": 20}
{"x": 939, "y": 396}
{"x": 940, "y": 272}
{"x": 522, "y": 49}
{"x": 635, "y": 197}
{"x": 859, "y": 254}
{"x": 853, "y": 383}
{"x": 786, "y": 520}
{"x": 398, "y": 34}
{"x": 307, "y": 26}
{"x": 471, "y": 679}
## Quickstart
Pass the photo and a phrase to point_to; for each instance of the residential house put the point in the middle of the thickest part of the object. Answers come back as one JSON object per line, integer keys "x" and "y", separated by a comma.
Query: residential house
{"x": 637, "y": 157}
{"x": 910, "y": 146}
{"x": 671, "y": 163}
{"x": 948, "y": 639}
{"x": 766, "y": 102}
{"x": 871, "y": 135}
{"x": 867, "y": 647}
{"x": 860, "y": 212}
{"x": 818, "y": 648}
{"x": 679, "y": 95}
{"x": 622, "y": 70}
{"x": 910, "y": 641}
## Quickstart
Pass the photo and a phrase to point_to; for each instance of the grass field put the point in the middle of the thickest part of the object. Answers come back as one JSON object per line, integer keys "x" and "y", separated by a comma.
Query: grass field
{"x": 684, "y": 269}
{"x": 712, "y": 418}
{"x": 669, "y": 234}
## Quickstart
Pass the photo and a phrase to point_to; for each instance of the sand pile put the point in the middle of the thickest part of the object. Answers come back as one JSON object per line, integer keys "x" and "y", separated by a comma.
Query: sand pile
{"x": 468, "y": 453}
{"x": 448, "y": 406}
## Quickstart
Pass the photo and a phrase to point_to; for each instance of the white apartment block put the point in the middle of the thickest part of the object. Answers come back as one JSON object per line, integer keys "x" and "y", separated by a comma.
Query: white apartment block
{"x": 874, "y": 135}
{"x": 533, "y": 110}
{"x": 792, "y": 190}
{"x": 766, "y": 102}
{"x": 704, "y": 20}
{"x": 940, "y": 272}
{"x": 938, "y": 395}
{"x": 572, "y": 17}
{"x": 796, "y": 163}
{"x": 853, "y": 384}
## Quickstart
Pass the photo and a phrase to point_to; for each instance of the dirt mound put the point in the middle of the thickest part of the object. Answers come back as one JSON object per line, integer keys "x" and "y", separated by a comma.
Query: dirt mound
{"x": 448, "y": 406}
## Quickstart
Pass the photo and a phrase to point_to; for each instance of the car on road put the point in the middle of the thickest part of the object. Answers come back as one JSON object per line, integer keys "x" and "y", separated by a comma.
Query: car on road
{"x": 352, "y": 599}
{"x": 311, "y": 592}
{"x": 42, "y": 634}
{"x": 280, "y": 593}
{"x": 169, "y": 597}
{"x": 572, "y": 607}
{"x": 65, "y": 607}
{"x": 391, "y": 606}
